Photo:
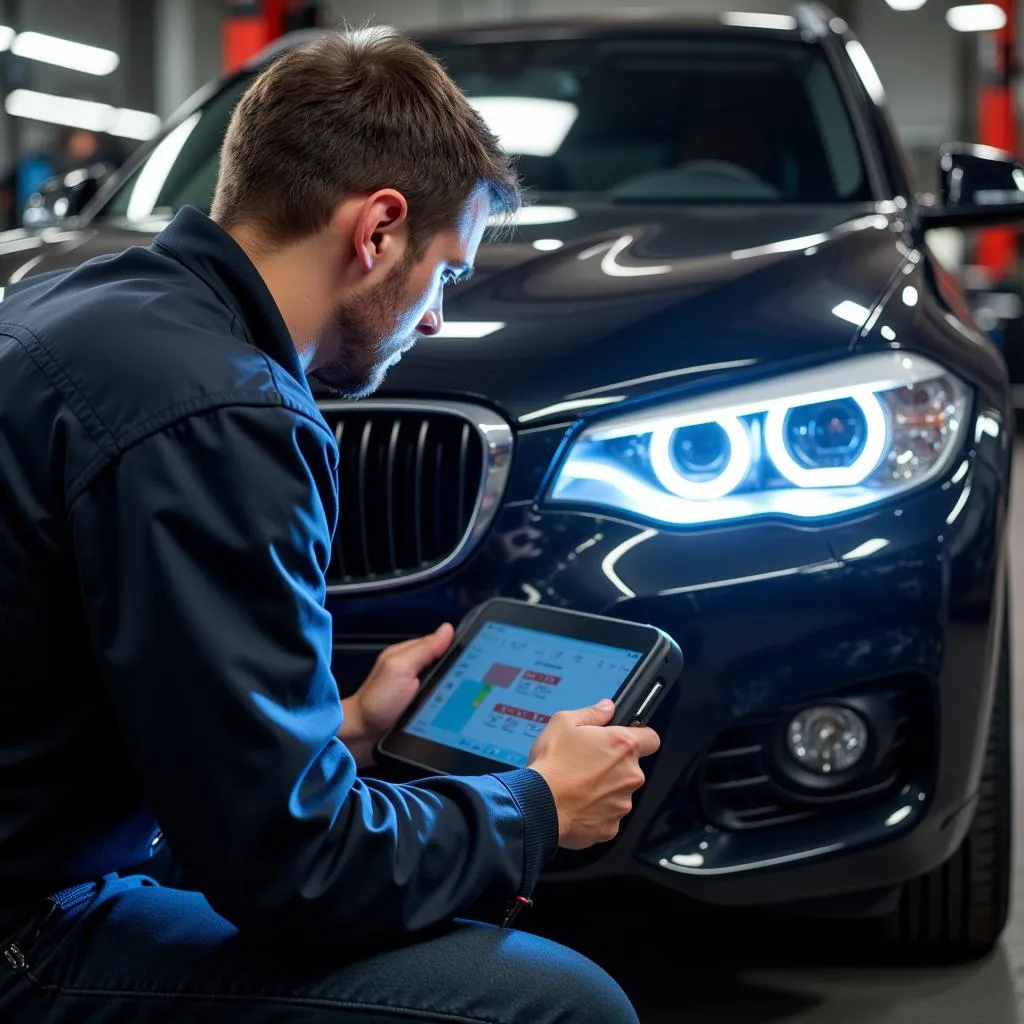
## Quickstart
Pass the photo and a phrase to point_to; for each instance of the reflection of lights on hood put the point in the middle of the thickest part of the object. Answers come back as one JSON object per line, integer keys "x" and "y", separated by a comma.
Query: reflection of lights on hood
{"x": 869, "y": 547}
{"x": 906, "y": 5}
{"x": 146, "y": 191}
{"x": 527, "y": 216}
{"x": 612, "y": 558}
{"x": 910, "y": 295}
{"x": 897, "y": 816}
{"x": 853, "y": 312}
{"x": 527, "y": 125}
{"x": 959, "y": 506}
{"x": 865, "y": 70}
{"x": 976, "y": 18}
{"x": 745, "y": 19}
{"x": 548, "y": 244}
{"x": 961, "y": 472}
{"x": 469, "y": 328}
{"x": 610, "y": 264}
{"x": 583, "y": 403}
{"x": 888, "y": 333}
{"x": 985, "y": 425}
{"x": 786, "y": 245}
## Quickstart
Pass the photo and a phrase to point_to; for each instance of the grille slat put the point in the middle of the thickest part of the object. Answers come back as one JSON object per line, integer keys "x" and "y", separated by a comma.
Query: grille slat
{"x": 363, "y": 490}
{"x": 396, "y": 429}
{"x": 411, "y": 486}
{"x": 421, "y": 448}
{"x": 338, "y": 556}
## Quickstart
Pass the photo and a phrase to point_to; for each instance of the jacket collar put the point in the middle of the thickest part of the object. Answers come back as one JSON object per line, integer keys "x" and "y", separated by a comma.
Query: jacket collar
{"x": 206, "y": 249}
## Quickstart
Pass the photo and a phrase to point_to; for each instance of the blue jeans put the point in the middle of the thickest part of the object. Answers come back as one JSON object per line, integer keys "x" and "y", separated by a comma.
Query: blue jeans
{"x": 129, "y": 950}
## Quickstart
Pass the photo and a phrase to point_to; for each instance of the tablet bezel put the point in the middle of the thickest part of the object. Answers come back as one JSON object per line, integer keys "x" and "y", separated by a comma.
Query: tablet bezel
{"x": 438, "y": 758}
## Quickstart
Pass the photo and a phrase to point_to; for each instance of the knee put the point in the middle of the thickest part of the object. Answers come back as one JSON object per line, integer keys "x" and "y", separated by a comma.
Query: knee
{"x": 561, "y": 985}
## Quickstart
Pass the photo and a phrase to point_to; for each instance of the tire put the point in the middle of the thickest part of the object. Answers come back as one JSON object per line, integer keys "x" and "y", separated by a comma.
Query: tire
{"x": 959, "y": 910}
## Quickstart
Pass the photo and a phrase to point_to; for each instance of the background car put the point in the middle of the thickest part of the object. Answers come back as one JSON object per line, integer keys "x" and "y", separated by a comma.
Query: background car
{"x": 714, "y": 381}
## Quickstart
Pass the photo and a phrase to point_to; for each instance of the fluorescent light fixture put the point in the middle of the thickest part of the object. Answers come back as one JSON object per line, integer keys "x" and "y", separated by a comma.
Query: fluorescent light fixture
{"x": 134, "y": 124}
{"x": 87, "y": 114}
{"x": 6, "y": 37}
{"x": 150, "y": 182}
{"x": 548, "y": 244}
{"x": 527, "y": 125}
{"x": 743, "y": 19}
{"x": 469, "y": 328}
{"x": 865, "y": 70}
{"x": 906, "y": 5}
{"x": 92, "y": 60}
{"x": 853, "y": 312}
{"x": 976, "y": 18}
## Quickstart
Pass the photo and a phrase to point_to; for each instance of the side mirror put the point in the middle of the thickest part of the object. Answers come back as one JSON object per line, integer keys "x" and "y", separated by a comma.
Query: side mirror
{"x": 980, "y": 186}
{"x": 64, "y": 196}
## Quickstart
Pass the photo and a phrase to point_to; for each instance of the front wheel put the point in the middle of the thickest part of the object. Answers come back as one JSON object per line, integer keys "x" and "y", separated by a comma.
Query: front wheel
{"x": 959, "y": 910}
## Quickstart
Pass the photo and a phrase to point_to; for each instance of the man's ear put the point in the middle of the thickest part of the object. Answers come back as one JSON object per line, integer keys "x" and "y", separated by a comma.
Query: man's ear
{"x": 381, "y": 229}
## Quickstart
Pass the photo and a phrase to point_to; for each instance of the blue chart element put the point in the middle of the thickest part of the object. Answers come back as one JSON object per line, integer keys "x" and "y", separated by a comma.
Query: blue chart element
{"x": 460, "y": 707}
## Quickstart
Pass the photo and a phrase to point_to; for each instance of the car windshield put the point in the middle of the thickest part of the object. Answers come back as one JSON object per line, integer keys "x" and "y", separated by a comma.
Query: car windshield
{"x": 631, "y": 119}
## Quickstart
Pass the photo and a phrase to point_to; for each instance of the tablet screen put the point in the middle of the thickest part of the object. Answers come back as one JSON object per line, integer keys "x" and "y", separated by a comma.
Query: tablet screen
{"x": 500, "y": 692}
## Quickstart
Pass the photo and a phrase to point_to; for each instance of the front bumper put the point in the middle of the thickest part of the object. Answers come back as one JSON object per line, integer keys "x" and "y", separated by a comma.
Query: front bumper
{"x": 770, "y": 617}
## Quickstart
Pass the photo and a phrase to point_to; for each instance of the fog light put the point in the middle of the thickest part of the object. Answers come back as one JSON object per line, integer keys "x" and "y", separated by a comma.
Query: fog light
{"x": 828, "y": 739}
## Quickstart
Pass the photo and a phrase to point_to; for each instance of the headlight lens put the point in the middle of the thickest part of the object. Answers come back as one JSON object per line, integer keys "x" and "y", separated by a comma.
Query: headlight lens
{"x": 810, "y": 444}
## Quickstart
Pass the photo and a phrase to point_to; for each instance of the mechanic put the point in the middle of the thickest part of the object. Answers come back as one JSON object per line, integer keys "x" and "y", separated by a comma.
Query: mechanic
{"x": 170, "y": 493}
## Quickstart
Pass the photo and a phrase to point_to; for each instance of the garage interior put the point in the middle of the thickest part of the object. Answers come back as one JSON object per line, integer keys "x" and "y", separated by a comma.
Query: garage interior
{"x": 86, "y": 87}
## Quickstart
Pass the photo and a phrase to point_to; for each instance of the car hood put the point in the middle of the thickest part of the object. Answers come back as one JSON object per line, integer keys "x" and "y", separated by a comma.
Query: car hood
{"x": 593, "y": 304}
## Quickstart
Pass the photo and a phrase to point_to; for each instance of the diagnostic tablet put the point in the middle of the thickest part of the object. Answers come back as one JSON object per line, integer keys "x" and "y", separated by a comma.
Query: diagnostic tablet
{"x": 511, "y": 666}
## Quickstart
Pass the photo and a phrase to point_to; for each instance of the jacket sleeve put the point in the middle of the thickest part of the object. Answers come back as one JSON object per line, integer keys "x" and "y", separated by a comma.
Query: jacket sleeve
{"x": 202, "y": 552}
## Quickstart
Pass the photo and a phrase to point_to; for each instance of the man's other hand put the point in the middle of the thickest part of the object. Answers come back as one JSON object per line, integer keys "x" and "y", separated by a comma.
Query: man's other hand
{"x": 387, "y": 691}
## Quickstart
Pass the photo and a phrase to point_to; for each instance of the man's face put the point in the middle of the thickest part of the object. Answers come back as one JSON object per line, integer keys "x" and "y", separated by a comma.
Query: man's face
{"x": 371, "y": 330}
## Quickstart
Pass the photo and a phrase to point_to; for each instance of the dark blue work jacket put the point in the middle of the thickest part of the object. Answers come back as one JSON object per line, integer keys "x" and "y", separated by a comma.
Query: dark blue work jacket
{"x": 168, "y": 494}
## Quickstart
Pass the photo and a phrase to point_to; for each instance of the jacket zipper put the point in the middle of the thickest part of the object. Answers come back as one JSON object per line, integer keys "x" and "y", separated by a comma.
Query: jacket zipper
{"x": 15, "y": 958}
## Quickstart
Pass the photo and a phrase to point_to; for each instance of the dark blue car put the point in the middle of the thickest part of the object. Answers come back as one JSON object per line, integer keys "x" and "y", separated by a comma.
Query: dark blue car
{"x": 713, "y": 380}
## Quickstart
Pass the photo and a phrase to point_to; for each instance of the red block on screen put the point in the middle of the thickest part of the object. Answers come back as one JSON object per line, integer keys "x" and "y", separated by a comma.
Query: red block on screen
{"x": 501, "y": 675}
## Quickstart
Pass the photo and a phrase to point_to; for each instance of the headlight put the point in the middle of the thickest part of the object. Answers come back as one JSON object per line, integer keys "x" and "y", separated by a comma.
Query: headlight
{"x": 813, "y": 443}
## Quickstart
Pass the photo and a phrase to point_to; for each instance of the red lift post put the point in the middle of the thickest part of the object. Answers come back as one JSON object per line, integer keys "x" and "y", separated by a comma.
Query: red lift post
{"x": 997, "y": 126}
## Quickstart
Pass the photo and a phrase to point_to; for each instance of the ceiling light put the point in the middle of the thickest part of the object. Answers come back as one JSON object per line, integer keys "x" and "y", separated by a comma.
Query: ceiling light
{"x": 976, "y": 18}
{"x": 548, "y": 244}
{"x": 906, "y": 5}
{"x": 93, "y": 60}
{"x": 86, "y": 114}
{"x": 6, "y": 37}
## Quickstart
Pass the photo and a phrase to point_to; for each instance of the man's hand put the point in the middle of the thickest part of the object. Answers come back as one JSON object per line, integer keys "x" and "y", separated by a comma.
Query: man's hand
{"x": 593, "y": 770}
{"x": 387, "y": 691}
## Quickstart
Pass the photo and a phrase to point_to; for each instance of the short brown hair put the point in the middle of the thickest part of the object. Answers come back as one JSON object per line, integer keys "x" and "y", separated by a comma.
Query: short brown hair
{"x": 347, "y": 115}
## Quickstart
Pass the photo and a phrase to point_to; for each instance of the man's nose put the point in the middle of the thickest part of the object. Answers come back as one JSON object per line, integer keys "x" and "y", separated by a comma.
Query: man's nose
{"x": 431, "y": 323}
{"x": 432, "y": 320}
